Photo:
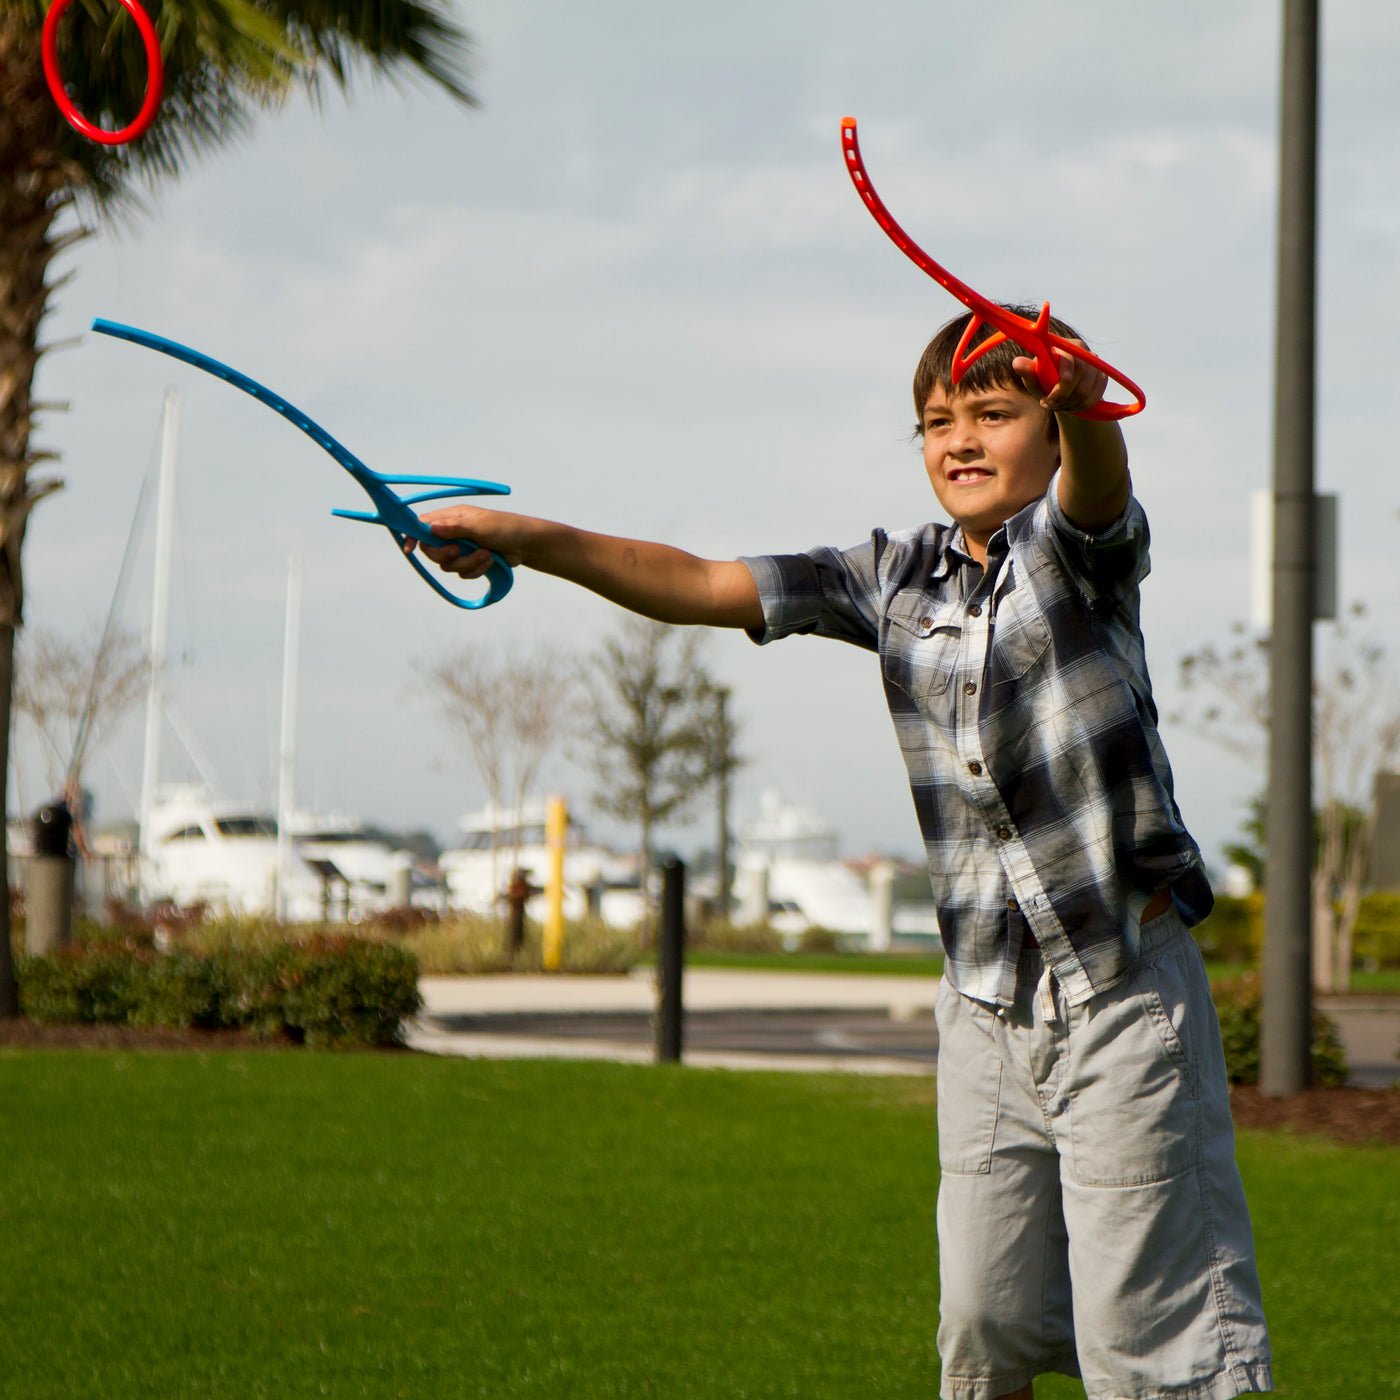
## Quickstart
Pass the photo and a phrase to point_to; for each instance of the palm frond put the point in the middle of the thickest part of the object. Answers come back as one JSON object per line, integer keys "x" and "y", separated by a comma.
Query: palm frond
{"x": 224, "y": 61}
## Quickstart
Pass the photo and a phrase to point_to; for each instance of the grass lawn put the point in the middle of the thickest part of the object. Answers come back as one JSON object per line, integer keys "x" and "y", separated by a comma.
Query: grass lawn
{"x": 291, "y": 1224}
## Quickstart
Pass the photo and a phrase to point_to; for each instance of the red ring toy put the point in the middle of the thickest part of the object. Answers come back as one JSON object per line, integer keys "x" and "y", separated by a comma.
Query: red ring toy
{"x": 1035, "y": 336}
{"x": 154, "y": 82}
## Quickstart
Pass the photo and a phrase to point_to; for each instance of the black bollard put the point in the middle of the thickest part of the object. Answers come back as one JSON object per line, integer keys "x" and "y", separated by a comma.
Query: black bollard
{"x": 670, "y": 1024}
{"x": 48, "y": 893}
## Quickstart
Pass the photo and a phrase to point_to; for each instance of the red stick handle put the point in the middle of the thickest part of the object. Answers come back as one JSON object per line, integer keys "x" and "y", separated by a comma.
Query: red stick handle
{"x": 1035, "y": 337}
{"x": 155, "y": 81}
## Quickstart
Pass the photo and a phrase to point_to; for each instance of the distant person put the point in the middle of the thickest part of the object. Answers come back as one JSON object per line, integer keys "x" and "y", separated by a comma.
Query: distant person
{"x": 1091, "y": 1219}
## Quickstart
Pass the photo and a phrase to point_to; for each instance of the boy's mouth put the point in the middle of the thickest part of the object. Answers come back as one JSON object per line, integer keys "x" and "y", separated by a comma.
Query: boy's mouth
{"x": 966, "y": 475}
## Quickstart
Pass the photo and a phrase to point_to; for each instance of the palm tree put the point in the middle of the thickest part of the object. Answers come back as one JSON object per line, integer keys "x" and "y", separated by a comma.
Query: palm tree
{"x": 225, "y": 60}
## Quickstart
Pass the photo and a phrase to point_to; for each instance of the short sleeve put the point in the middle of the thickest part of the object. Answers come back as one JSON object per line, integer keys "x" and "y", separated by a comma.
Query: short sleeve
{"x": 1107, "y": 561}
{"x": 824, "y": 592}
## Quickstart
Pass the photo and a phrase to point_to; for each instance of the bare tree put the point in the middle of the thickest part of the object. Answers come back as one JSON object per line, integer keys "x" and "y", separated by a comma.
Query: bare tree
{"x": 725, "y": 761}
{"x": 73, "y": 692}
{"x": 1356, "y": 734}
{"x": 653, "y": 718}
{"x": 509, "y": 709}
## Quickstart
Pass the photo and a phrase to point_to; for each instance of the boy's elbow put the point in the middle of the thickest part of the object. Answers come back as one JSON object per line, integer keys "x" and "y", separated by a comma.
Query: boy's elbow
{"x": 734, "y": 600}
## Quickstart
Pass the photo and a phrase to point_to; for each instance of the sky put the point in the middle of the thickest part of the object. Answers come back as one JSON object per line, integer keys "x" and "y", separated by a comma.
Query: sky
{"x": 636, "y": 285}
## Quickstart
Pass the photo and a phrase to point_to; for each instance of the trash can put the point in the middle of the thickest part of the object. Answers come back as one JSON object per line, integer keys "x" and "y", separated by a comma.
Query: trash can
{"x": 48, "y": 894}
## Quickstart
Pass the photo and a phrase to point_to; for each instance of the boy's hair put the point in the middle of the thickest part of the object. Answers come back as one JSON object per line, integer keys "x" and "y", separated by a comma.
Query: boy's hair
{"x": 992, "y": 371}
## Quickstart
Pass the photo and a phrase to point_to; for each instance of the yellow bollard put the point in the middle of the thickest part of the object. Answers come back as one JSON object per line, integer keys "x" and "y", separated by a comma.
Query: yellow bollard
{"x": 556, "y": 831}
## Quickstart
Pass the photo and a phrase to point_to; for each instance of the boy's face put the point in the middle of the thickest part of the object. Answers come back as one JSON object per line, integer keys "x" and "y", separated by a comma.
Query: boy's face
{"x": 987, "y": 455}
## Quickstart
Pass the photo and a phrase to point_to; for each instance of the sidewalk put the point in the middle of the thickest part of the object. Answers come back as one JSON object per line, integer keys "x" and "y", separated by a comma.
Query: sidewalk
{"x": 1369, "y": 1029}
{"x": 865, "y": 1023}
{"x": 471, "y": 1016}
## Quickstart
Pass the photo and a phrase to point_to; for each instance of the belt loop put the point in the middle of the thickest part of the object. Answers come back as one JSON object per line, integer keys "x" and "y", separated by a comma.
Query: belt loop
{"x": 1046, "y": 992}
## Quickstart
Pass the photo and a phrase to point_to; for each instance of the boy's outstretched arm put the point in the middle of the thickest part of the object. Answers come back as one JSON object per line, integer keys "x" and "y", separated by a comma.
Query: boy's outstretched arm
{"x": 653, "y": 579}
{"x": 1094, "y": 483}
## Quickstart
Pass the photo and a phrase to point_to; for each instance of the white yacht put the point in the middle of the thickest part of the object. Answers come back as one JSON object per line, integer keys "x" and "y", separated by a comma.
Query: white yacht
{"x": 376, "y": 875}
{"x": 222, "y": 854}
{"x": 788, "y": 863}
{"x": 496, "y": 841}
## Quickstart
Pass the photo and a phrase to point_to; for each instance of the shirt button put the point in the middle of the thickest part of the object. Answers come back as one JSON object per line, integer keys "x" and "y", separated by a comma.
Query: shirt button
{"x": 976, "y": 610}
{"x": 970, "y": 688}
{"x": 974, "y": 768}
{"x": 1004, "y": 833}
{"x": 1011, "y": 904}
{"x": 926, "y": 624}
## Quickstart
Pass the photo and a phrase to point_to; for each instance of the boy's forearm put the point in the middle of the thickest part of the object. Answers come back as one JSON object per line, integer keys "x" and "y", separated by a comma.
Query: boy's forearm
{"x": 657, "y": 580}
{"x": 1094, "y": 483}
{"x": 653, "y": 579}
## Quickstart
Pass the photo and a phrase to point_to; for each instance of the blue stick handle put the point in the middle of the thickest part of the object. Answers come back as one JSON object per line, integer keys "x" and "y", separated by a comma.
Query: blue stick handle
{"x": 392, "y": 511}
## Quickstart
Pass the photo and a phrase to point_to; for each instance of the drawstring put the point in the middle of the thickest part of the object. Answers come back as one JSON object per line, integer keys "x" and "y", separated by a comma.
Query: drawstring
{"x": 1045, "y": 991}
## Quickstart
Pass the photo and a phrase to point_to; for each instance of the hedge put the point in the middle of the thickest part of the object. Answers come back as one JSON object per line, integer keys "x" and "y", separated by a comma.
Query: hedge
{"x": 326, "y": 991}
{"x": 1234, "y": 930}
{"x": 1237, "y": 1005}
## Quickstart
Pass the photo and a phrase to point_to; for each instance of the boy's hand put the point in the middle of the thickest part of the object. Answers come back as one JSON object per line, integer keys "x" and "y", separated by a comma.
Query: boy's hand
{"x": 489, "y": 530}
{"x": 1081, "y": 385}
{"x": 653, "y": 579}
{"x": 1094, "y": 484}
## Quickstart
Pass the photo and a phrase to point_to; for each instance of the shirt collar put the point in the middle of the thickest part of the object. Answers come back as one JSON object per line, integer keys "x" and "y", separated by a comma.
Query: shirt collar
{"x": 954, "y": 552}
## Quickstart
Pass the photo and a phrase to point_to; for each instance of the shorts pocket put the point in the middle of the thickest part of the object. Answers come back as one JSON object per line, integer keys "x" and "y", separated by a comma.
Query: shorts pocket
{"x": 969, "y": 1084}
{"x": 1131, "y": 1092}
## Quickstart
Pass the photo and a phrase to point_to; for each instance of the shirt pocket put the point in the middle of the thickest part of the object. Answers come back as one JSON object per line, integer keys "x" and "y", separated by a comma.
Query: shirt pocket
{"x": 1020, "y": 639}
{"x": 920, "y": 650}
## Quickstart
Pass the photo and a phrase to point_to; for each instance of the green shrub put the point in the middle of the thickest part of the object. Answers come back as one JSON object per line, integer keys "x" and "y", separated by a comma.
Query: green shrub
{"x": 1376, "y": 942}
{"x": 720, "y": 936}
{"x": 1237, "y": 1005}
{"x": 345, "y": 991}
{"x": 326, "y": 991}
{"x": 99, "y": 982}
{"x": 1234, "y": 930}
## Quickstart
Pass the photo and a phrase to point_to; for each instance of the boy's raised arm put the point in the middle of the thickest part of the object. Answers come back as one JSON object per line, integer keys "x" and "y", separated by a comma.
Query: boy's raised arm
{"x": 1094, "y": 483}
{"x": 653, "y": 579}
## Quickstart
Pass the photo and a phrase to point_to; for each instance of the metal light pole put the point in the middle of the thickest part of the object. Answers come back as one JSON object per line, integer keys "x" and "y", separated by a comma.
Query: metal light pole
{"x": 1285, "y": 1060}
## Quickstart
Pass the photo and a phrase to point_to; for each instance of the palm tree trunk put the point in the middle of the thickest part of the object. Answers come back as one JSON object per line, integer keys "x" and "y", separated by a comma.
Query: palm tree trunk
{"x": 32, "y": 184}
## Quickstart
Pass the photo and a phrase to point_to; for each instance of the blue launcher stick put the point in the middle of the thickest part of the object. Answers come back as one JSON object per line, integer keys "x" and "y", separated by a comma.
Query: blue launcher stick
{"x": 390, "y": 509}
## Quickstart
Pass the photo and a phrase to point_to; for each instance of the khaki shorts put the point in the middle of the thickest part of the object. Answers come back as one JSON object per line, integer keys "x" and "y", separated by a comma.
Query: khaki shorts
{"x": 1091, "y": 1218}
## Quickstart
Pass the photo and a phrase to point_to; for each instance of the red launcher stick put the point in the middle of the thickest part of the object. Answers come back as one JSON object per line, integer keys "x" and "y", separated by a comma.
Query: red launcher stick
{"x": 1035, "y": 337}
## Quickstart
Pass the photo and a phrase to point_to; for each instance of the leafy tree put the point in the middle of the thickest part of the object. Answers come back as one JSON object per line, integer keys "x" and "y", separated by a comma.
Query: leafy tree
{"x": 725, "y": 761}
{"x": 225, "y": 60}
{"x": 1356, "y": 734}
{"x": 653, "y": 713}
{"x": 1250, "y": 853}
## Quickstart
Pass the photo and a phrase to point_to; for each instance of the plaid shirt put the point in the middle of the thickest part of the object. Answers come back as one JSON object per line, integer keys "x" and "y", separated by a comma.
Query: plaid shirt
{"x": 1021, "y": 700}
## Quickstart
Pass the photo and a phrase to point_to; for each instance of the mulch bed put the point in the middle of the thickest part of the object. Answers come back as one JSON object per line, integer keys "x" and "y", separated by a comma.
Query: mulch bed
{"x": 33, "y": 1035}
{"x": 1345, "y": 1115}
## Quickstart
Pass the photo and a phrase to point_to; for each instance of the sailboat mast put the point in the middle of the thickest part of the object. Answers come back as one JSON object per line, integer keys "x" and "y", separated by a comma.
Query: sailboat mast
{"x": 160, "y": 617}
{"x": 286, "y": 772}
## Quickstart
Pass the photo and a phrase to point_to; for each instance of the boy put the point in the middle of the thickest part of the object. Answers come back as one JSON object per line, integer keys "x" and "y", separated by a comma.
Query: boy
{"x": 1091, "y": 1218}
